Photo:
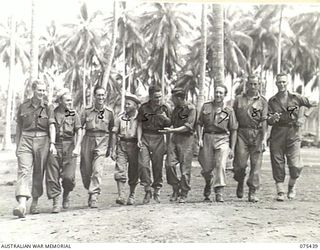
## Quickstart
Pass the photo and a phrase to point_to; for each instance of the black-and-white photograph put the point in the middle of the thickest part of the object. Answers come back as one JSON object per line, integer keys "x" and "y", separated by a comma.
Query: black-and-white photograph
{"x": 159, "y": 122}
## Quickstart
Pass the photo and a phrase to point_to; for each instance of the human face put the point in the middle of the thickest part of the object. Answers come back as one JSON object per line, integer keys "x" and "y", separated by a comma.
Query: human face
{"x": 156, "y": 98}
{"x": 253, "y": 86}
{"x": 66, "y": 101}
{"x": 282, "y": 83}
{"x": 39, "y": 91}
{"x": 100, "y": 97}
{"x": 219, "y": 94}
{"x": 130, "y": 106}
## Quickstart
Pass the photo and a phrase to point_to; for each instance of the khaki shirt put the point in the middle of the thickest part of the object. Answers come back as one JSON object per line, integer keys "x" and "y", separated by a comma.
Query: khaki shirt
{"x": 250, "y": 111}
{"x": 217, "y": 119}
{"x": 185, "y": 115}
{"x": 32, "y": 117}
{"x": 66, "y": 122}
{"x": 95, "y": 120}
{"x": 290, "y": 111}
{"x": 125, "y": 126}
{"x": 154, "y": 118}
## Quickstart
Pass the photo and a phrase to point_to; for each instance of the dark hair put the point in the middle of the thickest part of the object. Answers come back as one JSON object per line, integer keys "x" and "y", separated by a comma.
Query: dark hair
{"x": 281, "y": 74}
{"x": 153, "y": 89}
{"x": 35, "y": 83}
{"x": 96, "y": 88}
{"x": 222, "y": 86}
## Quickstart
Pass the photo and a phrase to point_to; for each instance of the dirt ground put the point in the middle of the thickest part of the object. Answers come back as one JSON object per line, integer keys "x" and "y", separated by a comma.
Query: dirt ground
{"x": 233, "y": 221}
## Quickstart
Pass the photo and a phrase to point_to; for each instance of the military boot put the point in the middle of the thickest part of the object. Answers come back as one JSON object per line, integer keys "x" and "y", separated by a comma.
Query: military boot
{"x": 280, "y": 191}
{"x": 94, "y": 200}
{"x": 175, "y": 193}
{"x": 34, "y": 208}
{"x": 66, "y": 200}
{"x": 156, "y": 195}
{"x": 252, "y": 196}
{"x": 291, "y": 192}
{"x": 207, "y": 191}
{"x": 21, "y": 209}
{"x": 131, "y": 198}
{"x": 147, "y": 197}
{"x": 120, "y": 200}
{"x": 218, "y": 191}
{"x": 56, "y": 204}
{"x": 240, "y": 190}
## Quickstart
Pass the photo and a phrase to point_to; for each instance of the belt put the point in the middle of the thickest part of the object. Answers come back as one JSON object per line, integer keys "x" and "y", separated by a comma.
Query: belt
{"x": 35, "y": 133}
{"x": 134, "y": 140}
{"x": 215, "y": 132}
{"x": 250, "y": 127}
{"x": 285, "y": 125}
{"x": 62, "y": 139}
{"x": 96, "y": 133}
{"x": 152, "y": 132}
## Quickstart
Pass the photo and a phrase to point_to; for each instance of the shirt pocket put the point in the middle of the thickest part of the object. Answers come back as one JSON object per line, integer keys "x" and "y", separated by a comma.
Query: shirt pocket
{"x": 207, "y": 116}
{"x": 222, "y": 119}
{"x": 43, "y": 120}
{"x": 27, "y": 119}
{"x": 90, "y": 124}
{"x": 69, "y": 126}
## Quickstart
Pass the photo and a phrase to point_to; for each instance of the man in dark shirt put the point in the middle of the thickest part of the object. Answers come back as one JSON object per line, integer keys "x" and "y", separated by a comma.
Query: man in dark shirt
{"x": 62, "y": 161}
{"x": 152, "y": 117}
{"x": 33, "y": 120}
{"x": 285, "y": 138}
{"x": 180, "y": 151}
{"x": 217, "y": 133}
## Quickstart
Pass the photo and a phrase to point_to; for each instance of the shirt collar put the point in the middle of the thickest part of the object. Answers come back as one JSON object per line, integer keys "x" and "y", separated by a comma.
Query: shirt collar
{"x": 32, "y": 103}
{"x": 257, "y": 97}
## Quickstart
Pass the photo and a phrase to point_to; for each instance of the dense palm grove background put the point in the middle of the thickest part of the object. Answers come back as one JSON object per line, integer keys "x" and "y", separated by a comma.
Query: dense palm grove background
{"x": 191, "y": 45}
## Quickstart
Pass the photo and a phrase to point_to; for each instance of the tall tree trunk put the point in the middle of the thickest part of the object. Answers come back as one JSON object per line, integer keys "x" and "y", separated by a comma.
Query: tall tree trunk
{"x": 123, "y": 91}
{"x": 318, "y": 120}
{"x": 110, "y": 51}
{"x": 163, "y": 72}
{"x": 34, "y": 41}
{"x": 84, "y": 82}
{"x": 7, "y": 144}
{"x": 218, "y": 41}
{"x": 203, "y": 54}
{"x": 279, "y": 42}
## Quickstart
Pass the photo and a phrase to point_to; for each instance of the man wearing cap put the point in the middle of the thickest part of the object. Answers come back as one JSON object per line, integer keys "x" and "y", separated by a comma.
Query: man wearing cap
{"x": 152, "y": 117}
{"x": 217, "y": 133}
{"x": 285, "y": 139}
{"x": 33, "y": 120}
{"x": 251, "y": 111}
{"x": 62, "y": 161}
{"x": 180, "y": 150}
{"x": 125, "y": 149}
{"x": 98, "y": 123}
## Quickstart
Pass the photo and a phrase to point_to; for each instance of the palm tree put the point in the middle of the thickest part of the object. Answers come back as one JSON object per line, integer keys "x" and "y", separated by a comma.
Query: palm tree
{"x": 84, "y": 42}
{"x": 164, "y": 26}
{"x": 34, "y": 52}
{"x": 218, "y": 44}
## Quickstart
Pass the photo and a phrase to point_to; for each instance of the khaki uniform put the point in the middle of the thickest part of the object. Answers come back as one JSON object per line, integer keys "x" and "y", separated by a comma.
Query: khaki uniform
{"x": 180, "y": 150}
{"x": 63, "y": 165}
{"x": 251, "y": 114}
{"x": 153, "y": 144}
{"x": 285, "y": 136}
{"x": 127, "y": 149}
{"x": 98, "y": 125}
{"x": 217, "y": 123}
{"x": 33, "y": 147}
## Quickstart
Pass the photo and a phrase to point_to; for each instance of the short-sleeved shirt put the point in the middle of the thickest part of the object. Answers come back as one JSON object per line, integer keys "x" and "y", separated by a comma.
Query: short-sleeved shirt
{"x": 185, "y": 115}
{"x": 154, "y": 118}
{"x": 250, "y": 111}
{"x": 216, "y": 119}
{"x": 125, "y": 126}
{"x": 290, "y": 111}
{"x": 35, "y": 117}
{"x": 95, "y": 120}
{"x": 67, "y": 122}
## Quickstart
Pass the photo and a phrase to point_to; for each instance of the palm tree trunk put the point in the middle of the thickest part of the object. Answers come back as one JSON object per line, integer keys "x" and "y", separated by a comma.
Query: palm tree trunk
{"x": 218, "y": 41}
{"x": 203, "y": 53}
{"x": 163, "y": 72}
{"x": 318, "y": 120}
{"x": 7, "y": 144}
{"x": 110, "y": 52}
{"x": 279, "y": 42}
{"x": 34, "y": 41}
{"x": 84, "y": 83}
{"x": 123, "y": 91}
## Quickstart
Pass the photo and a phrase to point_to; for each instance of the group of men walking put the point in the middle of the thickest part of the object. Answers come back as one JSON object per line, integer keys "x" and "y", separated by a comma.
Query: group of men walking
{"x": 49, "y": 140}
